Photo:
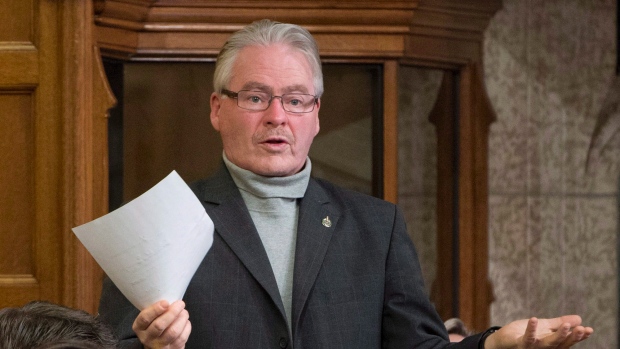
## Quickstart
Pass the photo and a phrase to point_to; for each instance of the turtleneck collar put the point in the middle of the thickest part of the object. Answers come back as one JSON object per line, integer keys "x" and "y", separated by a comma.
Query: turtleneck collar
{"x": 291, "y": 187}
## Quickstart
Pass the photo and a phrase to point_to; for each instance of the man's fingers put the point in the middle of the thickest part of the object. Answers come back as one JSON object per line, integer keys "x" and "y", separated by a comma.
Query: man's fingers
{"x": 151, "y": 332}
{"x": 562, "y": 335}
{"x": 555, "y": 323}
{"x": 163, "y": 322}
{"x": 578, "y": 334}
{"x": 175, "y": 329}
{"x": 148, "y": 315}
{"x": 529, "y": 337}
{"x": 180, "y": 341}
{"x": 557, "y": 333}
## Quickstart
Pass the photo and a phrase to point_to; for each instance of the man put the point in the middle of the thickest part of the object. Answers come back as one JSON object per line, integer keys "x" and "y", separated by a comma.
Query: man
{"x": 297, "y": 262}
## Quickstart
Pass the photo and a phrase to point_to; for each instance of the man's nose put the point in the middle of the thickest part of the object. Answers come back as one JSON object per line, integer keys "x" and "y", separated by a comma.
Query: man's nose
{"x": 275, "y": 113}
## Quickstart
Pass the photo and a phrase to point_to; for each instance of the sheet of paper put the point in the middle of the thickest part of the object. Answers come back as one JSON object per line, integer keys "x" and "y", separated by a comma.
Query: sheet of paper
{"x": 151, "y": 247}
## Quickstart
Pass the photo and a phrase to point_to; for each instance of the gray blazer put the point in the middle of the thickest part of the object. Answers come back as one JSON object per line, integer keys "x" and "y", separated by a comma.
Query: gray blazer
{"x": 357, "y": 282}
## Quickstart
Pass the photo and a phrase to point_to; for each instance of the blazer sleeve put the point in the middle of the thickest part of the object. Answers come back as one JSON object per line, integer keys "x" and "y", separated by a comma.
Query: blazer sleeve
{"x": 409, "y": 318}
{"x": 116, "y": 311}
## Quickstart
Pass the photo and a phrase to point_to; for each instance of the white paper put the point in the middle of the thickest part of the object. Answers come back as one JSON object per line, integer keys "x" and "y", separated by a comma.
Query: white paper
{"x": 151, "y": 247}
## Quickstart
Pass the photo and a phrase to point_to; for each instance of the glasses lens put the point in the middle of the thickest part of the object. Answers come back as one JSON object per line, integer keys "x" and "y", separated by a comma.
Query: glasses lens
{"x": 298, "y": 103}
{"x": 291, "y": 102}
{"x": 253, "y": 100}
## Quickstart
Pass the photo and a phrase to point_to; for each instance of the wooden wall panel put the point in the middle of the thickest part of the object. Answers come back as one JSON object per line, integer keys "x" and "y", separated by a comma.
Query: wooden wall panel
{"x": 17, "y": 21}
{"x": 19, "y": 66}
{"x": 52, "y": 141}
{"x": 29, "y": 167}
{"x": 17, "y": 181}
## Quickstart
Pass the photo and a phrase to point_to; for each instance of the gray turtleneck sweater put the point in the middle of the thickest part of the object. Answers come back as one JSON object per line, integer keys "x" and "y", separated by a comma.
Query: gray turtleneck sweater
{"x": 273, "y": 205}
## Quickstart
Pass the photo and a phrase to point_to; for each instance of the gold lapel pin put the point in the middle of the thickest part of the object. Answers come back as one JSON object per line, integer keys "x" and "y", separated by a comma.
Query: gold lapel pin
{"x": 326, "y": 222}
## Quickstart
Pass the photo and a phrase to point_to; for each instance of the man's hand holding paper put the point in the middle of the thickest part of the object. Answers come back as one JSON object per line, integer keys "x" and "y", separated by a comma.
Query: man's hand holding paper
{"x": 163, "y": 325}
{"x": 151, "y": 247}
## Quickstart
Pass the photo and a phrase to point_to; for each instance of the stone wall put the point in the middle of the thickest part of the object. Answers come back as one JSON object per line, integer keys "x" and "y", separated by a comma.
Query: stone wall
{"x": 553, "y": 224}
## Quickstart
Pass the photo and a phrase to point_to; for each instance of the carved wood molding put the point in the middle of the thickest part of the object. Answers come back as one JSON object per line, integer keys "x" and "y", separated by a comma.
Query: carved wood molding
{"x": 448, "y": 33}
{"x": 426, "y": 32}
{"x": 86, "y": 101}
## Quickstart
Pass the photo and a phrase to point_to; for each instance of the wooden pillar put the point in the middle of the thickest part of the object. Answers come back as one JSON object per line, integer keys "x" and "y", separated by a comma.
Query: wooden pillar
{"x": 390, "y": 131}
{"x": 86, "y": 99}
{"x": 462, "y": 117}
{"x": 475, "y": 117}
{"x": 444, "y": 289}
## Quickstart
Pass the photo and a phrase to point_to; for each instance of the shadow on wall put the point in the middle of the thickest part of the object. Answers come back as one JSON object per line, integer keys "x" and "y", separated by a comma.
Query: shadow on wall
{"x": 607, "y": 129}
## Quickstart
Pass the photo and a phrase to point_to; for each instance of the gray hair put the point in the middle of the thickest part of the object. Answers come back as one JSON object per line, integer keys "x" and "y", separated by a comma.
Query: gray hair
{"x": 456, "y": 326}
{"x": 263, "y": 33}
{"x": 38, "y": 323}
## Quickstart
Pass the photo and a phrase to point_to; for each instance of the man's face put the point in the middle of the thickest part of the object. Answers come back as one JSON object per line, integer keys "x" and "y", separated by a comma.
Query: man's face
{"x": 271, "y": 142}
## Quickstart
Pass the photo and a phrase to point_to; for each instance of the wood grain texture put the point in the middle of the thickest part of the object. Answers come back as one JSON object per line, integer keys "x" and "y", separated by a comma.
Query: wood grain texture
{"x": 54, "y": 174}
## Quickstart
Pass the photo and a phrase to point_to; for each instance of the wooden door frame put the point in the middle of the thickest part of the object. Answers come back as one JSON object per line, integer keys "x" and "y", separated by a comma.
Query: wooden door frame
{"x": 86, "y": 99}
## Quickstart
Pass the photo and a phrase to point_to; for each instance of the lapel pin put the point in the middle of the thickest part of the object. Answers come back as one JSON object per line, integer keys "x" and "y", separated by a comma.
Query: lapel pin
{"x": 326, "y": 222}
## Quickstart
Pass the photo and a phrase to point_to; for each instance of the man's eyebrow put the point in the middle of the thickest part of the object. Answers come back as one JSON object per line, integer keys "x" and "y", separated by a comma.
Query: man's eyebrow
{"x": 255, "y": 85}
{"x": 295, "y": 88}
{"x": 258, "y": 86}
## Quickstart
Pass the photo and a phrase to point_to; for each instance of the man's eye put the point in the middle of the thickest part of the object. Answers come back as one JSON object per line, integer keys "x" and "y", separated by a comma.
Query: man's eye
{"x": 296, "y": 100}
{"x": 256, "y": 99}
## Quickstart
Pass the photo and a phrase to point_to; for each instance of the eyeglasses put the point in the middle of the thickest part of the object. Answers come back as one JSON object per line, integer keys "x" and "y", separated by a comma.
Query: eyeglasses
{"x": 258, "y": 101}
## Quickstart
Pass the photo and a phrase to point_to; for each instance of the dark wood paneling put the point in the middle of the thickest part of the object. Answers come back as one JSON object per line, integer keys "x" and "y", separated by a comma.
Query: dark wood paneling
{"x": 166, "y": 124}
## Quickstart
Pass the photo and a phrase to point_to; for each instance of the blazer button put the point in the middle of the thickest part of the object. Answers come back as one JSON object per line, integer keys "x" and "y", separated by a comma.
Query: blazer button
{"x": 283, "y": 343}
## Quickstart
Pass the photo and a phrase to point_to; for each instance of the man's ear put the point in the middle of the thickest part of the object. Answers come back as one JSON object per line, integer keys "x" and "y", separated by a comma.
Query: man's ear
{"x": 318, "y": 107}
{"x": 216, "y": 105}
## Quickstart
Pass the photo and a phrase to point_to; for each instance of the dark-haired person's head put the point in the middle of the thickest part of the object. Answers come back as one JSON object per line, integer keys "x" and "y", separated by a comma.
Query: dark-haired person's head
{"x": 42, "y": 323}
{"x": 71, "y": 344}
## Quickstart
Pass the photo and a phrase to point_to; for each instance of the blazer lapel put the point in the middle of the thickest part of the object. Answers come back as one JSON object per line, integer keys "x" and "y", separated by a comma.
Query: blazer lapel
{"x": 233, "y": 223}
{"x": 317, "y": 223}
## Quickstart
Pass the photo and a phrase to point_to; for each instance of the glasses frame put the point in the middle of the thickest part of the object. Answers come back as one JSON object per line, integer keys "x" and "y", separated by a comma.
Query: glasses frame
{"x": 235, "y": 95}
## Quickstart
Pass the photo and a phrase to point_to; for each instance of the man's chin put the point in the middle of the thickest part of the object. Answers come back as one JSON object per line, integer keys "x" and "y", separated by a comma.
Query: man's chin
{"x": 273, "y": 172}
{"x": 277, "y": 169}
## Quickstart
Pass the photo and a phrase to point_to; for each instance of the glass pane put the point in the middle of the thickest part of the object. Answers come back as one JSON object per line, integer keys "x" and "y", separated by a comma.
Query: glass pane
{"x": 351, "y": 105}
